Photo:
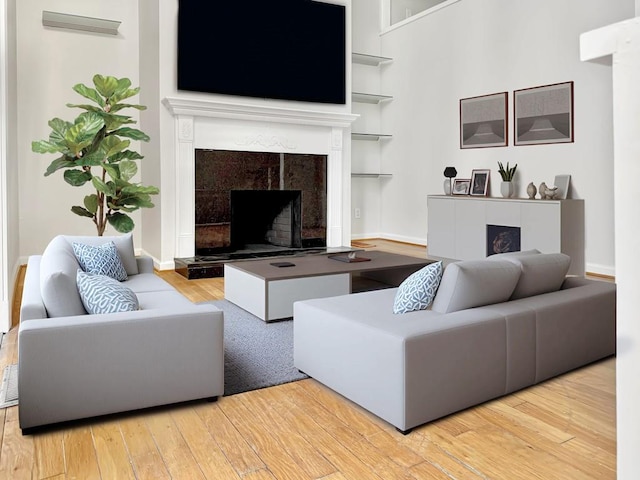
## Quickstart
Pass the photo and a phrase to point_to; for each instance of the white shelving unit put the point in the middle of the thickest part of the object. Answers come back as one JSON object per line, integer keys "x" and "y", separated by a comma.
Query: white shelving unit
{"x": 373, "y": 99}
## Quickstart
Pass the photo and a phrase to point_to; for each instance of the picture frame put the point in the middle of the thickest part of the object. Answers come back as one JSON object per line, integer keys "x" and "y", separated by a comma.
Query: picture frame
{"x": 562, "y": 182}
{"x": 479, "y": 182}
{"x": 483, "y": 121}
{"x": 543, "y": 114}
{"x": 461, "y": 186}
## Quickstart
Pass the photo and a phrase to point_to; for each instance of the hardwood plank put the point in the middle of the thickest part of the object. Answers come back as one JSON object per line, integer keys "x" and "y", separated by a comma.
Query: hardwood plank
{"x": 303, "y": 453}
{"x": 175, "y": 452}
{"x": 260, "y": 437}
{"x": 16, "y": 455}
{"x": 145, "y": 457}
{"x": 80, "y": 454}
{"x": 241, "y": 456}
{"x": 111, "y": 452}
{"x": 204, "y": 448}
{"x": 430, "y": 471}
{"x": 49, "y": 454}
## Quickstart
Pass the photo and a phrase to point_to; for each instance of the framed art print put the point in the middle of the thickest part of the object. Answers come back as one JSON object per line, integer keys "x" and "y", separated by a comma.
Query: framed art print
{"x": 479, "y": 182}
{"x": 483, "y": 121}
{"x": 543, "y": 114}
{"x": 461, "y": 186}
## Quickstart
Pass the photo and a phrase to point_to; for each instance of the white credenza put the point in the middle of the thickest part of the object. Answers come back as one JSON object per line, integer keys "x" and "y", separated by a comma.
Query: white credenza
{"x": 457, "y": 226}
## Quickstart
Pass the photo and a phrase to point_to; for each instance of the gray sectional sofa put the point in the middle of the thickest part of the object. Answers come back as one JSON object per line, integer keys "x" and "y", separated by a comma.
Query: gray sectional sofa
{"x": 74, "y": 365}
{"x": 495, "y": 326}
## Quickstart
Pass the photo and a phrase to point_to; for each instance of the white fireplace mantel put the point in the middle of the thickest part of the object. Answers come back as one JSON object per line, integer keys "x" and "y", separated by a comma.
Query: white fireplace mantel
{"x": 209, "y": 124}
{"x": 257, "y": 113}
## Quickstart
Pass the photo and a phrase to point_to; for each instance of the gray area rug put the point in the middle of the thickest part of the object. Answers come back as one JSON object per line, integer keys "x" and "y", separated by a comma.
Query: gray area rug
{"x": 9, "y": 388}
{"x": 256, "y": 354}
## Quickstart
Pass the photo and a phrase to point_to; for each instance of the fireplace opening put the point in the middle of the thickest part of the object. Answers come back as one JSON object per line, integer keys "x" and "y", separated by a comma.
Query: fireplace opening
{"x": 245, "y": 201}
{"x": 502, "y": 239}
{"x": 265, "y": 219}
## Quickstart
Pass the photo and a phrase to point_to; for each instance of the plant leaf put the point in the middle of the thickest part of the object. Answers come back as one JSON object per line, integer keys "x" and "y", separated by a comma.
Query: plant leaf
{"x": 42, "y": 146}
{"x": 89, "y": 93}
{"x": 89, "y": 108}
{"x": 83, "y": 212}
{"x": 121, "y": 106}
{"x": 140, "y": 189}
{"x": 58, "y": 130}
{"x": 132, "y": 133}
{"x": 58, "y": 164}
{"x": 128, "y": 169}
{"x": 112, "y": 145}
{"x": 106, "y": 86}
{"x": 112, "y": 170}
{"x": 106, "y": 188}
{"x": 127, "y": 154}
{"x": 83, "y": 131}
{"x": 91, "y": 203}
{"x": 121, "y": 222}
{"x": 77, "y": 178}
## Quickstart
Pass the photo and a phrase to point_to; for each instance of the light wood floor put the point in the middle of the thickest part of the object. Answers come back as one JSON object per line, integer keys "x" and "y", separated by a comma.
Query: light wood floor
{"x": 561, "y": 429}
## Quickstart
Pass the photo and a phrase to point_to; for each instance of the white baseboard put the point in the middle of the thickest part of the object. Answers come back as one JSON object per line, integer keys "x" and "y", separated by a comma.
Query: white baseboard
{"x": 157, "y": 264}
{"x": 607, "y": 270}
{"x": 404, "y": 239}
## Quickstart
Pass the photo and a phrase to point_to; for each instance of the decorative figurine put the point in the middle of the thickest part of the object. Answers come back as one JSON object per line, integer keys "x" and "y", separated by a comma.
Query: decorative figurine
{"x": 531, "y": 191}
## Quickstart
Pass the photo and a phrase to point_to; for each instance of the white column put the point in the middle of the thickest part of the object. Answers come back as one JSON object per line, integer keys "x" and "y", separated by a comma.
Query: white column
{"x": 622, "y": 42}
{"x": 185, "y": 188}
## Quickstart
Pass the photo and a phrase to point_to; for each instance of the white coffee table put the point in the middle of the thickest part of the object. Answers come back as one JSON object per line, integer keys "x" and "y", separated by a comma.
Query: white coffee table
{"x": 268, "y": 291}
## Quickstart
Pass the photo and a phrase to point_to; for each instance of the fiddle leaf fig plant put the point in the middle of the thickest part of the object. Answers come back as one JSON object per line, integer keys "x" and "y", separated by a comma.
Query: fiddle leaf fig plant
{"x": 94, "y": 149}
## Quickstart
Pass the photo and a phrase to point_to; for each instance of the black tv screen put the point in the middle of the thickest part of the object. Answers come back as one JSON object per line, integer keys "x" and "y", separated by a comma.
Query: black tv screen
{"x": 280, "y": 49}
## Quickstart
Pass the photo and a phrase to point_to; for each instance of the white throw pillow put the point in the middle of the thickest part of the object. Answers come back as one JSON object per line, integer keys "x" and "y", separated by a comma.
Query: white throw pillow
{"x": 419, "y": 289}
{"x": 100, "y": 260}
{"x": 103, "y": 294}
{"x": 124, "y": 244}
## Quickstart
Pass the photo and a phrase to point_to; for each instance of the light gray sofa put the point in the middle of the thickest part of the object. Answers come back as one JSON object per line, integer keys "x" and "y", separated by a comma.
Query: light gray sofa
{"x": 496, "y": 326}
{"x": 76, "y": 365}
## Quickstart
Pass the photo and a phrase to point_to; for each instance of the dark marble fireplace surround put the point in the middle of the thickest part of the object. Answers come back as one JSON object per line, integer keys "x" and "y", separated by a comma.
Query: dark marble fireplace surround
{"x": 256, "y": 204}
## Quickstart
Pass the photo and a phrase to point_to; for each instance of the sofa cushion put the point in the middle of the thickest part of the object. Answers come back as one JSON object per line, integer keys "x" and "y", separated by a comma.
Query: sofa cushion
{"x": 103, "y": 294}
{"x": 58, "y": 288}
{"x": 474, "y": 283}
{"x": 419, "y": 289}
{"x": 539, "y": 273}
{"x": 124, "y": 244}
{"x": 100, "y": 260}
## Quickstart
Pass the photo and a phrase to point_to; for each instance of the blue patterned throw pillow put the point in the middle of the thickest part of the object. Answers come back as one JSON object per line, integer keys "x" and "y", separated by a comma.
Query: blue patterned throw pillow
{"x": 101, "y": 260}
{"x": 419, "y": 289}
{"x": 103, "y": 294}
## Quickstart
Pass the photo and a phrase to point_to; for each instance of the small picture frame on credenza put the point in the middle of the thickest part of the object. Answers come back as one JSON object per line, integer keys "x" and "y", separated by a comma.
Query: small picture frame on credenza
{"x": 461, "y": 186}
{"x": 479, "y": 182}
{"x": 562, "y": 182}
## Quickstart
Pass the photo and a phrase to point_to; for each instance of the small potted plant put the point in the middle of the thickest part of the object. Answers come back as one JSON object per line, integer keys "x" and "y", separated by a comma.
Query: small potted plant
{"x": 507, "y": 174}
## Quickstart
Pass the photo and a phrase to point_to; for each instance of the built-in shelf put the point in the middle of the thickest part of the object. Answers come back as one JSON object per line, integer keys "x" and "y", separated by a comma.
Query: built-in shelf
{"x": 369, "y": 97}
{"x": 365, "y": 59}
{"x": 371, "y": 175}
{"x": 374, "y": 137}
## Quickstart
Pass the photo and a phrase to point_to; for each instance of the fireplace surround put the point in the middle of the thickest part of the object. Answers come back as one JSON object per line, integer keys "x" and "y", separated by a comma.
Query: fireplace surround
{"x": 229, "y": 126}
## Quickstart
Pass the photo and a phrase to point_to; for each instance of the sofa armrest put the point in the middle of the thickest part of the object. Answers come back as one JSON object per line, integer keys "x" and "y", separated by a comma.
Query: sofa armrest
{"x": 145, "y": 264}
{"x": 92, "y": 365}
{"x": 32, "y": 306}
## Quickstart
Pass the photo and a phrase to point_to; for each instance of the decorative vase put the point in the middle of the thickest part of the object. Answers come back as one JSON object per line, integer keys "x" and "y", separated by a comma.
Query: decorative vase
{"x": 506, "y": 189}
{"x": 447, "y": 186}
{"x": 531, "y": 191}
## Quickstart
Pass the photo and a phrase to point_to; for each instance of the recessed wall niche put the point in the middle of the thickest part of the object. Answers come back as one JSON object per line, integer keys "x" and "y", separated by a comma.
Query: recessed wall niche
{"x": 219, "y": 172}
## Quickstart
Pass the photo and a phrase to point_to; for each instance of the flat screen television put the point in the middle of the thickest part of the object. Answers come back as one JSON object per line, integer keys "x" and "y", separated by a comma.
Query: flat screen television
{"x": 279, "y": 49}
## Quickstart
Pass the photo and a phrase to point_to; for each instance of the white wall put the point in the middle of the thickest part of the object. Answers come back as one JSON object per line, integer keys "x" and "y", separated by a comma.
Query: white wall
{"x": 51, "y": 61}
{"x": 9, "y": 239}
{"x": 476, "y": 48}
